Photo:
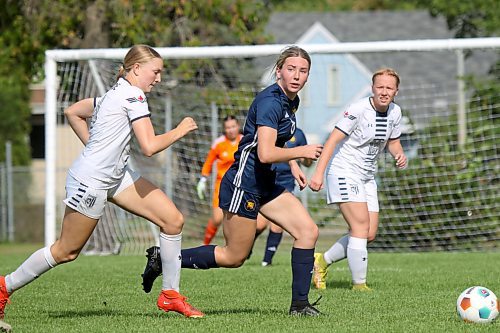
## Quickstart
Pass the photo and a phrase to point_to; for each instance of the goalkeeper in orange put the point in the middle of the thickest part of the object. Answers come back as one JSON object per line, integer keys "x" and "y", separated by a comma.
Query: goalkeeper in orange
{"x": 222, "y": 151}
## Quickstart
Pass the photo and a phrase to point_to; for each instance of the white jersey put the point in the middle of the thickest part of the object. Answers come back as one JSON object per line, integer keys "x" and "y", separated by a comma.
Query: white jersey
{"x": 367, "y": 133}
{"x": 104, "y": 158}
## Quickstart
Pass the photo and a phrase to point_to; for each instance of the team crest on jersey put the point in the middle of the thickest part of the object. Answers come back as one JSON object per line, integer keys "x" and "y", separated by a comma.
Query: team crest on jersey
{"x": 294, "y": 110}
{"x": 349, "y": 116}
{"x": 293, "y": 139}
{"x": 250, "y": 205}
{"x": 140, "y": 99}
{"x": 90, "y": 200}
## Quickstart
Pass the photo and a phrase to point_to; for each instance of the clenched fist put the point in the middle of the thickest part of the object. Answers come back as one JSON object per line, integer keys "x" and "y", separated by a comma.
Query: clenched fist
{"x": 187, "y": 125}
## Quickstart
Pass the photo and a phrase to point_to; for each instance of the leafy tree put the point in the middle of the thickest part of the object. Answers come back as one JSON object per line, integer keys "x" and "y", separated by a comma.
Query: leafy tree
{"x": 15, "y": 113}
{"x": 473, "y": 18}
{"x": 28, "y": 28}
{"x": 342, "y": 5}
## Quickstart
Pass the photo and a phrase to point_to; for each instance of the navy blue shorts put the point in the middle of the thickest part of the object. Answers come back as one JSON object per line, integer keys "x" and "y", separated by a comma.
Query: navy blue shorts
{"x": 245, "y": 204}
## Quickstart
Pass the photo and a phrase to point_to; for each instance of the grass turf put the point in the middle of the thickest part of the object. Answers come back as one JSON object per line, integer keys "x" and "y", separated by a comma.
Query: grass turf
{"x": 413, "y": 292}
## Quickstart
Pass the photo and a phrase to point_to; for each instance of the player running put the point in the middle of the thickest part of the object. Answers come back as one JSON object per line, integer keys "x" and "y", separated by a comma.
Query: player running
{"x": 355, "y": 144}
{"x": 284, "y": 178}
{"x": 101, "y": 173}
{"x": 222, "y": 151}
{"x": 248, "y": 187}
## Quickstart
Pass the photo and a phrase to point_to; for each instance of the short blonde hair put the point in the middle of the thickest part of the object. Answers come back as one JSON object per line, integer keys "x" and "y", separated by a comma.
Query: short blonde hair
{"x": 386, "y": 71}
{"x": 139, "y": 53}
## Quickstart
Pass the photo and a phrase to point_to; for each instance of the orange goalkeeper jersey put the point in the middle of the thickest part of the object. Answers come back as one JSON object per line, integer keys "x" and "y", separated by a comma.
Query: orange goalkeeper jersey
{"x": 223, "y": 151}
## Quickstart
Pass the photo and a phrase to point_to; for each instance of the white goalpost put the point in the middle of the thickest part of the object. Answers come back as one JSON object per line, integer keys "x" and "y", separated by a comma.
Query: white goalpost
{"x": 210, "y": 82}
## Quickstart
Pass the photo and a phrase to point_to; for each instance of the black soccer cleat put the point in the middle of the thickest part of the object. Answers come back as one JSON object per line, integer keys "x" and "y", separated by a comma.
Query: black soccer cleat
{"x": 304, "y": 308}
{"x": 153, "y": 268}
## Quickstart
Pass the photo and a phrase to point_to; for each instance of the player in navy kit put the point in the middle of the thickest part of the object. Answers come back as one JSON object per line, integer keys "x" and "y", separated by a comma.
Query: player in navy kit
{"x": 284, "y": 178}
{"x": 248, "y": 187}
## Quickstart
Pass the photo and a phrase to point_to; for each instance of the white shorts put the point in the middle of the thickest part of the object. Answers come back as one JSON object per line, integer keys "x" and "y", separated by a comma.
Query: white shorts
{"x": 90, "y": 201}
{"x": 352, "y": 189}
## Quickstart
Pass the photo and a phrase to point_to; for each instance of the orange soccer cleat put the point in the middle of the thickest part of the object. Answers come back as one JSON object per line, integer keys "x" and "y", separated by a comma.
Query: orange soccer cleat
{"x": 4, "y": 297}
{"x": 171, "y": 300}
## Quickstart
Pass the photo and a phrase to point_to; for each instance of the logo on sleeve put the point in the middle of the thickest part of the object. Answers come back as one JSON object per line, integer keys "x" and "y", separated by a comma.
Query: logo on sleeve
{"x": 140, "y": 99}
{"x": 349, "y": 116}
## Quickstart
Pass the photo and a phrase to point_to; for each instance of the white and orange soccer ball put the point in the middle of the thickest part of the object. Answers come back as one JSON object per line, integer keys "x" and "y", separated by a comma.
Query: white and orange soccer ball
{"x": 478, "y": 305}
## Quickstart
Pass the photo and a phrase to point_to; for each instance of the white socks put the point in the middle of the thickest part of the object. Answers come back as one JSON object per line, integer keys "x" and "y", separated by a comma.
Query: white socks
{"x": 338, "y": 251}
{"x": 357, "y": 257}
{"x": 41, "y": 261}
{"x": 170, "y": 254}
{"x": 37, "y": 264}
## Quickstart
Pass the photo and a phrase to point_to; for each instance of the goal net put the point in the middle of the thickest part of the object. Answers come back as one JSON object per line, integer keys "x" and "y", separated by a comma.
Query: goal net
{"x": 447, "y": 199}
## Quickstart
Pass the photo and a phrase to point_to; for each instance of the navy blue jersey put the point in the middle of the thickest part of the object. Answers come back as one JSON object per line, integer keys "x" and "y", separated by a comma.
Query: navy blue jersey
{"x": 284, "y": 175}
{"x": 271, "y": 108}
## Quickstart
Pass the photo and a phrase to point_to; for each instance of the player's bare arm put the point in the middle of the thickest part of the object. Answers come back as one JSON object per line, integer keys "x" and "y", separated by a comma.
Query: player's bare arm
{"x": 77, "y": 115}
{"x": 396, "y": 150}
{"x": 316, "y": 182}
{"x": 298, "y": 174}
{"x": 151, "y": 143}
{"x": 269, "y": 153}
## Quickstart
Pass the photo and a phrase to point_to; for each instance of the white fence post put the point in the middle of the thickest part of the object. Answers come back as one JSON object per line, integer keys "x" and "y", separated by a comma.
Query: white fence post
{"x": 10, "y": 192}
{"x": 3, "y": 201}
{"x": 168, "y": 152}
{"x": 50, "y": 148}
{"x": 462, "y": 117}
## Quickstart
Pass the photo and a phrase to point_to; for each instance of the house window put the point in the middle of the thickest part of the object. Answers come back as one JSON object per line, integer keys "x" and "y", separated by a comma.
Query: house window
{"x": 333, "y": 85}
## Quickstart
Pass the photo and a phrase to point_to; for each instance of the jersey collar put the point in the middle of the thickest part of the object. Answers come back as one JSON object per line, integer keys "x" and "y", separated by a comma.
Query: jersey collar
{"x": 380, "y": 114}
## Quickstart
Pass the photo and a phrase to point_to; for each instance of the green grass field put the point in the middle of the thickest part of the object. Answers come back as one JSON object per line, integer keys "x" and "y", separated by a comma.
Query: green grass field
{"x": 414, "y": 292}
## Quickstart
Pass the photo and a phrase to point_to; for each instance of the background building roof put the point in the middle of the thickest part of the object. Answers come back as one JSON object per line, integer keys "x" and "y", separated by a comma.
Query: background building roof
{"x": 415, "y": 68}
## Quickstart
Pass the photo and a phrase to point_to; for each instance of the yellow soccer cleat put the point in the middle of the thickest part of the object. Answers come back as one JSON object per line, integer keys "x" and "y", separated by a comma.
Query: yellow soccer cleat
{"x": 320, "y": 271}
{"x": 361, "y": 287}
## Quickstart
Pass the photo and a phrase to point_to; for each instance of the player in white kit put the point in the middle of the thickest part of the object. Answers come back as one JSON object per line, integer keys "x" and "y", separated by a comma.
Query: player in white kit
{"x": 101, "y": 174}
{"x": 367, "y": 127}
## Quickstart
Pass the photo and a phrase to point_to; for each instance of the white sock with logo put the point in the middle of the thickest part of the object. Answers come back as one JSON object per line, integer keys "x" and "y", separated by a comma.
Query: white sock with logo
{"x": 357, "y": 256}
{"x": 37, "y": 264}
{"x": 338, "y": 251}
{"x": 170, "y": 254}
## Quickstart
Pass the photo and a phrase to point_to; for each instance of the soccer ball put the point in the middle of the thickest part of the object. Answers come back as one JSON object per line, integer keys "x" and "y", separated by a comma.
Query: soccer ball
{"x": 478, "y": 305}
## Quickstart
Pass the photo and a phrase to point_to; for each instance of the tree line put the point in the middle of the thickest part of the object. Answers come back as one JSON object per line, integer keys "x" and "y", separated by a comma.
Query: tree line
{"x": 29, "y": 27}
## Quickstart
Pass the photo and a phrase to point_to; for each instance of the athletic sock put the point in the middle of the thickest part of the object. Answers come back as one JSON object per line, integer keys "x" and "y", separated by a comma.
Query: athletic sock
{"x": 302, "y": 267}
{"x": 272, "y": 243}
{"x": 338, "y": 251}
{"x": 202, "y": 257}
{"x": 37, "y": 264}
{"x": 357, "y": 256}
{"x": 170, "y": 255}
{"x": 210, "y": 231}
